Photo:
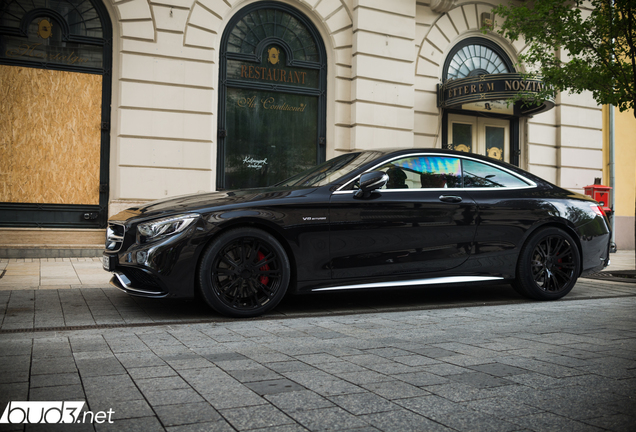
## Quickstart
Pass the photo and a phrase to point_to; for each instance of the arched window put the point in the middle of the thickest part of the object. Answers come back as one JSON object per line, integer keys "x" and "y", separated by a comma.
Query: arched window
{"x": 257, "y": 26}
{"x": 476, "y": 56}
{"x": 272, "y": 96}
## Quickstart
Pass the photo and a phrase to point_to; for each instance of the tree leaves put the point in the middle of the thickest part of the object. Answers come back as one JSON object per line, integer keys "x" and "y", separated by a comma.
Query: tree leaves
{"x": 578, "y": 46}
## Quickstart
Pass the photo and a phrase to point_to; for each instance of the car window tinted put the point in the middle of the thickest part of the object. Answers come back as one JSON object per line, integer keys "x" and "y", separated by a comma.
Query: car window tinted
{"x": 417, "y": 172}
{"x": 479, "y": 175}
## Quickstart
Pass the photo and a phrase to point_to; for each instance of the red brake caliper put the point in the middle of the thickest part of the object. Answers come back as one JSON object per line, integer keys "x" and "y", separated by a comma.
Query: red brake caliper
{"x": 263, "y": 279}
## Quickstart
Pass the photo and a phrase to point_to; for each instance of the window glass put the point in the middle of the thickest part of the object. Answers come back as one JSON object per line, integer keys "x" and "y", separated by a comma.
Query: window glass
{"x": 331, "y": 171}
{"x": 463, "y": 137}
{"x": 66, "y": 33}
{"x": 262, "y": 24}
{"x": 272, "y": 136}
{"x": 417, "y": 172}
{"x": 474, "y": 60}
{"x": 495, "y": 142}
{"x": 479, "y": 175}
{"x": 81, "y": 16}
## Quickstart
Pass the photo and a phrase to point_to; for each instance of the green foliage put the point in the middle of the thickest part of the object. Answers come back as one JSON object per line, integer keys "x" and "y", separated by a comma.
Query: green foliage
{"x": 577, "y": 45}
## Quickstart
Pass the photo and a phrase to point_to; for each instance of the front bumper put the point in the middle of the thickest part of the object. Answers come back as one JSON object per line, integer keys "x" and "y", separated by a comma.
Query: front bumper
{"x": 121, "y": 281}
{"x": 165, "y": 268}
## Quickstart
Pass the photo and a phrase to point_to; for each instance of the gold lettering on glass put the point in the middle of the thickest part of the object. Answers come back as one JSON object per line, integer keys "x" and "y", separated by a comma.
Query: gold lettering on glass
{"x": 270, "y": 103}
{"x": 25, "y": 50}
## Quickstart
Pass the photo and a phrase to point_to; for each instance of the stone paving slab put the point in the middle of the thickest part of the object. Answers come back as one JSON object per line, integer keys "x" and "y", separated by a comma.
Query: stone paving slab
{"x": 450, "y": 359}
{"x": 531, "y": 366}
{"x": 52, "y": 273}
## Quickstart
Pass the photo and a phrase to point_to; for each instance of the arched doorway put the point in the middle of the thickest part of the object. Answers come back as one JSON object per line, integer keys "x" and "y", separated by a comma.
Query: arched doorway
{"x": 55, "y": 87}
{"x": 272, "y": 96}
{"x": 488, "y": 127}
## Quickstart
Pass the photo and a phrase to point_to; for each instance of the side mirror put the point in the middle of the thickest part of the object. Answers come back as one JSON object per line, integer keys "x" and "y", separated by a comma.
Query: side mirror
{"x": 369, "y": 182}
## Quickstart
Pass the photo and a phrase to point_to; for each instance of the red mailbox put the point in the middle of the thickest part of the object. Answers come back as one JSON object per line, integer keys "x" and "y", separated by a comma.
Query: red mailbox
{"x": 601, "y": 194}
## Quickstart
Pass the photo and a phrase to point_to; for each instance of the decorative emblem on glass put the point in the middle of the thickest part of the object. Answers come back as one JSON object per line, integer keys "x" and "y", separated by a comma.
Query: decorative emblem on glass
{"x": 462, "y": 148}
{"x": 495, "y": 153}
{"x": 272, "y": 55}
{"x": 45, "y": 29}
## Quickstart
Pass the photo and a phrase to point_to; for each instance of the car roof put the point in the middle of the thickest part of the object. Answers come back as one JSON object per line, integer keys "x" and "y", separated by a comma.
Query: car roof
{"x": 402, "y": 150}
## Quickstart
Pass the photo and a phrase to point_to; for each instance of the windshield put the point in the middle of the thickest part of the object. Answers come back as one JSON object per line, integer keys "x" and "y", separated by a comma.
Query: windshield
{"x": 330, "y": 171}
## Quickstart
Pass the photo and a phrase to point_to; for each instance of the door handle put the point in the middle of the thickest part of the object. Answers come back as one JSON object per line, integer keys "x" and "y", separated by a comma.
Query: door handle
{"x": 450, "y": 198}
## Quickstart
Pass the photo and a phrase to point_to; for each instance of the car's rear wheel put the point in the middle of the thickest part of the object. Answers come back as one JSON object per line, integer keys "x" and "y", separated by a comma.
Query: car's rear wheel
{"x": 549, "y": 265}
{"x": 244, "y": 273}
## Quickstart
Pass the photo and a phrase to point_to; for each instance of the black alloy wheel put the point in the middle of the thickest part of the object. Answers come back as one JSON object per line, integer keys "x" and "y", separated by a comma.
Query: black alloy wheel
{"x": 244, "y": 273}
{"x": 549, "y": 265}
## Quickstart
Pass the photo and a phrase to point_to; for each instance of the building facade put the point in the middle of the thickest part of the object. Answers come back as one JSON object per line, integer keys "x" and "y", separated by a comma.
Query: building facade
{"x": 113, "y": 103}
{"x": 621, "y": 161}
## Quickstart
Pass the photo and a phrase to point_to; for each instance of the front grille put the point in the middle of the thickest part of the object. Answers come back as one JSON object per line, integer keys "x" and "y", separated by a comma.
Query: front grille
{"x": 114, "y": 236}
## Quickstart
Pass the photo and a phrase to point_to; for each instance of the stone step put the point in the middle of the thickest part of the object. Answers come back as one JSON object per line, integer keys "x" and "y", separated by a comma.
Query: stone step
{"x": 51, "y": 242}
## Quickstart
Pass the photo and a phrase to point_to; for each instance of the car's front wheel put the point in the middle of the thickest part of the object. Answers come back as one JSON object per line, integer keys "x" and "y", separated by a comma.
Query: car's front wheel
{"x": 245, "y": 272}
{"x": 549, "y": 265}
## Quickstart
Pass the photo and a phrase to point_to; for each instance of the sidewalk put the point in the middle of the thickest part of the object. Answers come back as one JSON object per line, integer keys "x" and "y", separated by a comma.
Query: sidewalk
{"x": 622, "y": 260}
{"x": 52, "y": 273}
{"x": 73, "y": 273}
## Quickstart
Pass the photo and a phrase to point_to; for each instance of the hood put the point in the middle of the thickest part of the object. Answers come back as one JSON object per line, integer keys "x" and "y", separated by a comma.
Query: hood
{"x": 204, "y": 202}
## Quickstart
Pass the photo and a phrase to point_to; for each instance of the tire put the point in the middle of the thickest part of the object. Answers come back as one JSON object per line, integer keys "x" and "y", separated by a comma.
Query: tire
{"x": 244, "y": 273}
{"x": 549, "y": 265}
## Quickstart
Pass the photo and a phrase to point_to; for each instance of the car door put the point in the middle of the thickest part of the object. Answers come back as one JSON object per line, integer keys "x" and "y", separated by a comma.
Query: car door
{"x": 508, "y": 207}
{"x": 422, "y": 221}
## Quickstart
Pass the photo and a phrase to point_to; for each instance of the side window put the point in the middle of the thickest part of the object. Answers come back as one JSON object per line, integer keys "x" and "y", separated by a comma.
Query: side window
{"x": 480, "y": 175}
{"x": 417, "y": 172}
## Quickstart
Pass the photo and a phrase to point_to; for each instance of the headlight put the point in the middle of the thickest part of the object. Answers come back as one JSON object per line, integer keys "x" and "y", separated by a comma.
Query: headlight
{"x": 160, "y": 228}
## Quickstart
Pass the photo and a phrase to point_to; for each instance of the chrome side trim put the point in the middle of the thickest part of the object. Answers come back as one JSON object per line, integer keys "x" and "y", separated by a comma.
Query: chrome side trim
{"x": 342, "y": 192}
{"x": 430, "y": 281}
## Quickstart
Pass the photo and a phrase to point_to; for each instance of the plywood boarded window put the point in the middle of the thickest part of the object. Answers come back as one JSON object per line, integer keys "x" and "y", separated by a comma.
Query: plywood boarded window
{"x": 49, "y": 136}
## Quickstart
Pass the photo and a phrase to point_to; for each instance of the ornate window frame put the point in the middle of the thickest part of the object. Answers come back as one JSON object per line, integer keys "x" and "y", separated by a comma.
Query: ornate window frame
{"x": 292, "y": 57}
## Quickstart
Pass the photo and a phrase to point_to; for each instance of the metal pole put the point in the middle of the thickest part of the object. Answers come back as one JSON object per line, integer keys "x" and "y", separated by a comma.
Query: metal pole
{"x": 611, "y": 176}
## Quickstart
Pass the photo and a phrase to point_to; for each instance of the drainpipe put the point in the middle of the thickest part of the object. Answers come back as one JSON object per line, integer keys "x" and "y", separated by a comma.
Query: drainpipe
{"x": 611, "y": 177}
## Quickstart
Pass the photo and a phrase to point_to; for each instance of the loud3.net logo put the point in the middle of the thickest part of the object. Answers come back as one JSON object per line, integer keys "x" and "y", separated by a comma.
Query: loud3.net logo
{"x": 52, "y": 412}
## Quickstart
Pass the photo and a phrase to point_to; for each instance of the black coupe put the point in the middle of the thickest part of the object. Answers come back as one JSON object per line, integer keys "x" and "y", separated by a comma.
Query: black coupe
{"x": 363, "y": 220}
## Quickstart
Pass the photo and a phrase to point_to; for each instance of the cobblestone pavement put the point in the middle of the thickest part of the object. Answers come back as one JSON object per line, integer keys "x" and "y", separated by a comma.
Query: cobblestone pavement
{"x": 460, "y": 359}
{"x": 567, "y": 365}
